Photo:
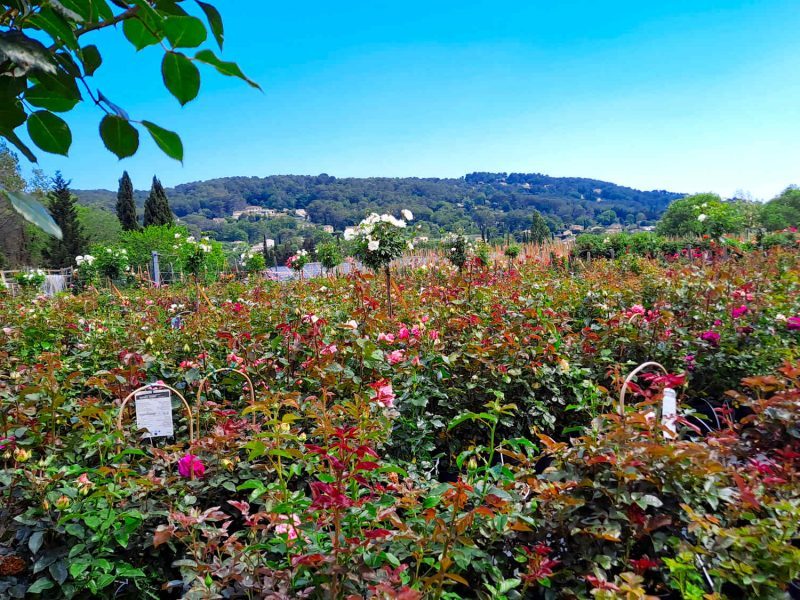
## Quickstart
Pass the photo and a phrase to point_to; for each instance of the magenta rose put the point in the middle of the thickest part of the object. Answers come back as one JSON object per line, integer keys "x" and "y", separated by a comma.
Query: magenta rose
{"x": 191, "y": 466}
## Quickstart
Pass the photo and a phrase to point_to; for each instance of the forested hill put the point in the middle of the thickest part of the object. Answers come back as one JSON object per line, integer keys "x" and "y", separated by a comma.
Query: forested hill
{"x": 499, "y": 200}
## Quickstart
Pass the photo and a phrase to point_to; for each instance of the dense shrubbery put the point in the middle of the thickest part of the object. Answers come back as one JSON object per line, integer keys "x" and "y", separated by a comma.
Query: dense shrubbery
{"x": 652, "y": 245}
{"x": 464, "y": 448}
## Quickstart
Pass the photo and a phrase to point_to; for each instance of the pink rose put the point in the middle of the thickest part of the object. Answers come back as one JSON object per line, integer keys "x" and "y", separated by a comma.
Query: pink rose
{"x": 386, "y": 337}
{"x": 793, "y": 323}
{"x": 396, "y": 357}
{"x": 384, "y": 394}
{"x": 191, "y": 466}
{"x": 739, "y": 311}
{"x": 287, "y": 524}
{"x": 712, "y": 337}
{"x": 403, "y": 333}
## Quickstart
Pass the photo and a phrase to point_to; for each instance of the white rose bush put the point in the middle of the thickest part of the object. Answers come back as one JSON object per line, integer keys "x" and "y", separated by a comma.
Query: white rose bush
{"x": 377, "y": 241}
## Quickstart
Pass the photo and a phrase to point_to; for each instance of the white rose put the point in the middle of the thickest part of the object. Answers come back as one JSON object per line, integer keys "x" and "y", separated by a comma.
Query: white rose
{"x": 407, "y": 214}
{"x": 702, "y": 217}
{"x": 373, "y": 245}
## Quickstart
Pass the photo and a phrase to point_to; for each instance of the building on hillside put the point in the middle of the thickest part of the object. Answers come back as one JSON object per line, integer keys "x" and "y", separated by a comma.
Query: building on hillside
{"x": 576, "y": 228}
{"x": 615, "y": 228}
{"x": 327, "y": 228}
{"x": 301, "y": 212}
{"x": 253, "y": 211}
{"x": 260, "y": 247}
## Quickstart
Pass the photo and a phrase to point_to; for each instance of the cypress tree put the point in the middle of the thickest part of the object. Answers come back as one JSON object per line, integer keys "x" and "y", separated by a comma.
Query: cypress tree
{"x": 61, "y": 253}
{"x": 126, "y": 207}
{"x": 156, "y": 208}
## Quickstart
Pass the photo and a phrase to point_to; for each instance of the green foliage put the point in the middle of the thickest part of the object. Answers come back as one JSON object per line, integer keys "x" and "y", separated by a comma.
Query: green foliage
{"x": 473, "y": 204}
{"x": 156, "y": 209}
{"x": 701, "y": 214}
{"x": 253, "y": 261}
{"x": 540, "y": 232}
{"x": 329, "y": 255}
{"x": 45, "y": 60}
{"x": 60, "y": 253}
{"x": 782, "y": 212}
{"x": 126, "y": 207}
{"x": 99, "y": 226}
{"x": 164, "y": 239}
{"x": 378, "y": 240}
{"x": 512, "y": 251}
{"x": 458, "y": 249}
{"x": 33, "y": 278}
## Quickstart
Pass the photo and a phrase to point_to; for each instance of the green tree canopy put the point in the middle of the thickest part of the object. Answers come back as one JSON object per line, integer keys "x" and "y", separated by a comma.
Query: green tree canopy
{"x": 540, "y": 232}
{"x": 701, "y": 214}
{"x": 782, "y": 212}
{"x": 47, "y": 62}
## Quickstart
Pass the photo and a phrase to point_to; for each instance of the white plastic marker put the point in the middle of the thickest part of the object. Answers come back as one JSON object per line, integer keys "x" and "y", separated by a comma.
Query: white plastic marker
{"x": 154, "y": 413}
{"x": 669, "y": 411}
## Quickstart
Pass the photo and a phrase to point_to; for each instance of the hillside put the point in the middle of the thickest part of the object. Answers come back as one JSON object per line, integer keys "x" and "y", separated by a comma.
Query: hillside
{"x": 497, "y": 202}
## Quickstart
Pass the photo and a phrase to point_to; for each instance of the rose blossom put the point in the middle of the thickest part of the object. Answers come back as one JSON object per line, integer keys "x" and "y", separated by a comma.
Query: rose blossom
{"x": 190, "y": 465}
{"x": 396, "y": 357}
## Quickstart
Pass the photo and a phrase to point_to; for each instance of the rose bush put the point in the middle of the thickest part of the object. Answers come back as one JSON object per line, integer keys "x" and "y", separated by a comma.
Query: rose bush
{"x": 469, "y": 446}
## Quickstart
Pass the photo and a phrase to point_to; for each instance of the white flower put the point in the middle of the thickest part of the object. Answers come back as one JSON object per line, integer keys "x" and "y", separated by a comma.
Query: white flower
{"x": 702, "y": 217}
{"x": 349, "y": 233}
{"x": 373, "y": 245}
{"x": 407, "y": 214}
{"x": 177, "y": 236}
{"x": 190, "y": 239}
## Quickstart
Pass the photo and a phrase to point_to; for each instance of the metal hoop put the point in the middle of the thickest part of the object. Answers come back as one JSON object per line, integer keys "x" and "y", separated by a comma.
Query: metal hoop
{"x": 629, "y": 378}
{"x": 151, "y": 386}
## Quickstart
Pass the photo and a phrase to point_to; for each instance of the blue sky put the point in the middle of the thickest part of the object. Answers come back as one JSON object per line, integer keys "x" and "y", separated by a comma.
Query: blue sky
{"x": 685, "y": 95}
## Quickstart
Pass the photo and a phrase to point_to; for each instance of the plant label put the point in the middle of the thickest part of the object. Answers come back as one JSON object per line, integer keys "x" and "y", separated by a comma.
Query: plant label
{"x": 154, "y": 413}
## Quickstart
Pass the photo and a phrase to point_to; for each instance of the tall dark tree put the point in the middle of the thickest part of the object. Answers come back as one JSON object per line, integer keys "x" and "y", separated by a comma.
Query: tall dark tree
{"x": 156, "y": 207}
{"x": 540, "y": 232}
{"x": 61, "y": 253}
{"x": 126, "y": 207}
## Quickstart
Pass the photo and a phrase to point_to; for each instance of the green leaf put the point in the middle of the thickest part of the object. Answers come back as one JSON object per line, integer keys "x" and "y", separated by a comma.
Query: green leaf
{"x": 214, "y": 21}
{"x": 185, "y": 32}
{"x": 40, "y": 585}
{"x": 35, "y": 541}
{"x": 91, "y": 59}
{"x": 60, "y": 84}
{"x": 55, "y": 26}
{"x": 181, "y": 77}
{"x": 58, "y": 571}
{"x": 169, "y": 141}
{"x": 229, "y": 69}
{"x": 41, "y": 97}
{"x": 105, "y": 580}
{"x": 12, "y": 114}
{"x": 76, "y": 568}
{"x": 31, "y": 210}
{"x": 119, "y": 136}
{"x": 138, "y": 34}
{"x": 49, "y": 132}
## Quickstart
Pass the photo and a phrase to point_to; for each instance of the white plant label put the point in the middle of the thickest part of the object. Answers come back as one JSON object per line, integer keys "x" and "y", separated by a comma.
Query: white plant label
{"x": 154, "y": 413}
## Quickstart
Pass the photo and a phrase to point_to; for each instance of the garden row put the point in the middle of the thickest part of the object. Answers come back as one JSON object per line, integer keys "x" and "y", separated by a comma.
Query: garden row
{"x": 467, "y": 446}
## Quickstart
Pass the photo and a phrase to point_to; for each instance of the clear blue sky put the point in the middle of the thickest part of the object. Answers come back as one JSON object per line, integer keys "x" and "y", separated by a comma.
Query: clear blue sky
{"x": 686, "y": 95}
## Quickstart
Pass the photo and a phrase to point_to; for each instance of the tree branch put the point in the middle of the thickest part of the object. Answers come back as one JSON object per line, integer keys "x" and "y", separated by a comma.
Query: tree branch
{"x": 131, "y": 12}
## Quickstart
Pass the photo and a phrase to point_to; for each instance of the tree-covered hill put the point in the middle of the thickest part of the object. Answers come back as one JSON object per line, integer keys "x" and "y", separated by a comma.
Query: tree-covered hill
{"x": 477, "y": 202}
